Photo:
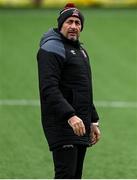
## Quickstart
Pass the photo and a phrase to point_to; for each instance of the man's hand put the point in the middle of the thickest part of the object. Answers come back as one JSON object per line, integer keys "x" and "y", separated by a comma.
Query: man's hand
{"x": 77, "y": 125}
{"x": 94, "y": 134}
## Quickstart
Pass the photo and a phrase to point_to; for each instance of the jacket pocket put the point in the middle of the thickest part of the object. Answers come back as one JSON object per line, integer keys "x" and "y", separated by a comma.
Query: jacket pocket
{"x": 81, "y": 101}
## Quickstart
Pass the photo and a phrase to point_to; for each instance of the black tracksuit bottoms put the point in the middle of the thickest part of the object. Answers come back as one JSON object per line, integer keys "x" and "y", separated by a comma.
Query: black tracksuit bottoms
{"x": 68, "y": 161}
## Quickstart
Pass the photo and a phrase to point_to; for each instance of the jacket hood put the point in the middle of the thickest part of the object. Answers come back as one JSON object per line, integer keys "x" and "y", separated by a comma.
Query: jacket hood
{"x": 50, "y": 35}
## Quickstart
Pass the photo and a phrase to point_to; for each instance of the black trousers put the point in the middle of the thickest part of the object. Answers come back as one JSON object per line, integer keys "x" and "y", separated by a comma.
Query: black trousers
{"x": 68, "y": 161}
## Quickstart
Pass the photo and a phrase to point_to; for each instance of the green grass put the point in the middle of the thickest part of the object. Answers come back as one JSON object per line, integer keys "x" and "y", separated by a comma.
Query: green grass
{"x": 111, "y": 39}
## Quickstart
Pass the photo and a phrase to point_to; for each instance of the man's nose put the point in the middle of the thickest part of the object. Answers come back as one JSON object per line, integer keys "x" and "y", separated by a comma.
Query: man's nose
{"x": 73, "y": 25}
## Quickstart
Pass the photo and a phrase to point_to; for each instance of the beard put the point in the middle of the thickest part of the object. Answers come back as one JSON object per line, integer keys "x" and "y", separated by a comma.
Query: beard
{"x": 73, "y": 37}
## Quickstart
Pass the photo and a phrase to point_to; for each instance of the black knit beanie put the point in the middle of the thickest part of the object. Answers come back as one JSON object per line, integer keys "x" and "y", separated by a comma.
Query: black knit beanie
{"x": 70, "y": 11}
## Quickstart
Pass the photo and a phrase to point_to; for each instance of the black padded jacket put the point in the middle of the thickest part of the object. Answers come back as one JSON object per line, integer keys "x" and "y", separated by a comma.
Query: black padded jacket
{"x": 65, "y": 86}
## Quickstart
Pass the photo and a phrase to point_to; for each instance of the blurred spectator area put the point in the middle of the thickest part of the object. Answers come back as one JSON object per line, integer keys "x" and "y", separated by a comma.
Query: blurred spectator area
{"x": 59, "y": 3}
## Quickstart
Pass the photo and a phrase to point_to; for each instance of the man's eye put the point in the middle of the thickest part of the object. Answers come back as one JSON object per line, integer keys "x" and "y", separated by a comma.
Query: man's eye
{"x": 78, "y": 23}
{"x": 69, "y": 22}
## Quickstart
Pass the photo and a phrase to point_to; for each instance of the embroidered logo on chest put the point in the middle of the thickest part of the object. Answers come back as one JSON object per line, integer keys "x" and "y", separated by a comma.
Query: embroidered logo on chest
{"x": 73, "y": 52}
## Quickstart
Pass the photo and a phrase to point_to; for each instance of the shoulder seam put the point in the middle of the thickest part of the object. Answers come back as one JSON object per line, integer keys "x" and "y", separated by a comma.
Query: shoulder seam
{"x": 54, "y": 46}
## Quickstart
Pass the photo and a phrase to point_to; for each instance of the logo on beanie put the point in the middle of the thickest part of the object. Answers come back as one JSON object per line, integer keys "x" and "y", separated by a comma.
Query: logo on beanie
{"x": 75, "y": 13}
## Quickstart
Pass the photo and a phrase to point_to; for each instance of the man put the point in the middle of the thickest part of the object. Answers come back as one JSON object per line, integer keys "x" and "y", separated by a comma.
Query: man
{"x": 69, "y": 117}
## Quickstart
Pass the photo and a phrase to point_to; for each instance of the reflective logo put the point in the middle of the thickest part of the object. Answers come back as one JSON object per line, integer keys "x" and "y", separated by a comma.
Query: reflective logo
{"x": 68, "y": 146}
{"x": 73, "y": 52}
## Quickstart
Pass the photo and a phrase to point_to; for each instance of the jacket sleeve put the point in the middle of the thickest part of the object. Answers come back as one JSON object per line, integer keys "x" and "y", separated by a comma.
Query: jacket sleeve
{"x": 95, "y": 117}
{"x": 94, "y": 114}
{"x": 49, "y": 70}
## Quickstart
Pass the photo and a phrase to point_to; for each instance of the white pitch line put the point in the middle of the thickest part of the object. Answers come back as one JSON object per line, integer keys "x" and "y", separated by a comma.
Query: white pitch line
{"x": 19, "y": 102}
{"x": 116, "y": 104}
{"x": 104, "y": 104}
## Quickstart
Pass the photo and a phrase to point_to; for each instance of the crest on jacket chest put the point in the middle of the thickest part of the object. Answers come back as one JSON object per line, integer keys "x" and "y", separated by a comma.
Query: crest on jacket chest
{"x": 83, "y": 52}
{"x": 72, "y": 51}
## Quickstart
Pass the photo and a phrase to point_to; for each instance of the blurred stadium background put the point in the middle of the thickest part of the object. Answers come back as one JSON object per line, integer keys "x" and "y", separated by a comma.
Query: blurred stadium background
{"x": 58, "y": 3}
{"x": 110, "y": 36}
